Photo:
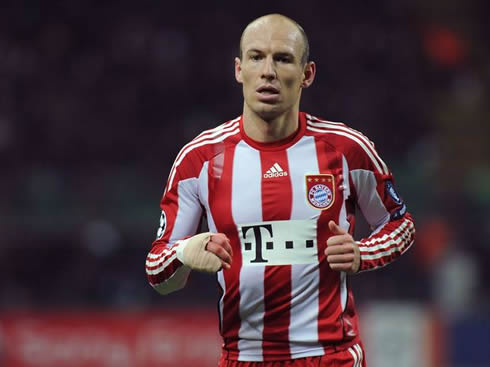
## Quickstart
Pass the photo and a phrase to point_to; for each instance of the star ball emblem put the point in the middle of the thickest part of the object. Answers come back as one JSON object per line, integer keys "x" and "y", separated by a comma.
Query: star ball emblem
{"x": 320, "y": 190}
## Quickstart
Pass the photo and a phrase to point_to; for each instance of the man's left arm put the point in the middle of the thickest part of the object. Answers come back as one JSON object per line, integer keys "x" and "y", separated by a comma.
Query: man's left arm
{"x": 386, "y": 213}
{"x": 371, "y": 185}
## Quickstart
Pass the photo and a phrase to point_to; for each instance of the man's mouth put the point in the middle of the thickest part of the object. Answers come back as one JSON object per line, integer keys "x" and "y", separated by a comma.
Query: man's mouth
{"x": 268, "y": 89}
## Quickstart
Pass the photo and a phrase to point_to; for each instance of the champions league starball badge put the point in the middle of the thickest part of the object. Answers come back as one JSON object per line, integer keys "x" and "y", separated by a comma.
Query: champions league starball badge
{"x": 320, "y": 190}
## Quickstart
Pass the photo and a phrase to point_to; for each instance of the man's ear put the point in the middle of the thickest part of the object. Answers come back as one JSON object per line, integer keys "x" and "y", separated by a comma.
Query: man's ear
{"x": 238, "y": 70}
{"x": 308, "y": 74}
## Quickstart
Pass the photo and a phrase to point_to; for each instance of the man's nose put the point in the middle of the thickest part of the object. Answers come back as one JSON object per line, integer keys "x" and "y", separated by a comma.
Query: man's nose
{"x": 269, "y": 70}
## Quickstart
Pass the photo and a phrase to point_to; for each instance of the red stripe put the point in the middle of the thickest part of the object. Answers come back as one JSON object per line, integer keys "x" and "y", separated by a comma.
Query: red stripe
{"x": 219, "y": 188}
{"x": 276, "y": 205}
{"x": 169, "y": 204}
{"x": 330, "y": 309}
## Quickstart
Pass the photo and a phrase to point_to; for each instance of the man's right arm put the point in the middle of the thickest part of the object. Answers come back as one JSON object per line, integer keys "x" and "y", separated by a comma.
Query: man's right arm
{"x": 179, "y": 220}
{"x": 178, "y": 249}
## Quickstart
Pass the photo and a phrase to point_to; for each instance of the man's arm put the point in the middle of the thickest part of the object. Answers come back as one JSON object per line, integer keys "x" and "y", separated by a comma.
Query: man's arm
{"x": 393, "y": 233}
{"x": 372, "y": 188}
{"x": 386, "y": 213}
{"x": 178, "y": 249}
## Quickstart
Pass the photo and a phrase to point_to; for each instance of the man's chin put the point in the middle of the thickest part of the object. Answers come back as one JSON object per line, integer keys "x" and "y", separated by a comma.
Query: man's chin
{"x": 269, "y": 112}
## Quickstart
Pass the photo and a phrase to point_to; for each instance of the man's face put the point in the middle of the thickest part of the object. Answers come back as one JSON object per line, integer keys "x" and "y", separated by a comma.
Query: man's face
{"x": 270, "y": 69}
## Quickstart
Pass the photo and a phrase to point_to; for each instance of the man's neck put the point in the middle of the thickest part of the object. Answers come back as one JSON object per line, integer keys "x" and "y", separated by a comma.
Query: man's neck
{"x": 266, "y": 131}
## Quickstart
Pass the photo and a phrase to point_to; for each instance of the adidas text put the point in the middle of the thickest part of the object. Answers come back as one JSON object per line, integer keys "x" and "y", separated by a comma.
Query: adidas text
{"x": 274, "y": 174}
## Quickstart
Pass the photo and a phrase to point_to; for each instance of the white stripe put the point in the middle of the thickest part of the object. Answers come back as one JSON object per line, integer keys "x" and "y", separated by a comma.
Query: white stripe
{"x": 156, "y": 256}
{"x": 354, "y": 355}
{"x": 346, "y": 177}
{"x": 400, "y": 242}
{"x": 343, "y": 223}
{"x": 151, "y": 264}
{"x": 189, "y": 211}
{"x": 369, "y": 201}
{"x": 359, "y": 351}
{"x": 246, "y": 192}
{"x": 348, "y": 135}
{"x": 313, "y": 118}
{"x": 364, "y": 245}
{"x": 165, "y": 253}
{"x": 382, "y": 239}
{"x": 222, "y": 283}
{"x": 272, "y": 169}
{"x": 192, "y": 147}
{"x": 397, "y": 248}
{"x": 303, "y": 325}
{"x": 317, "y": 120}
{"x": 278, "y": 167}
{"x": 343, "y": 290}
{"x": 400, "y": 249}
{"x": 204, "y": 195}
{"x": 343, "y": 127}
{"x": 218, "y": 128}
{"x": 163, "y": 266}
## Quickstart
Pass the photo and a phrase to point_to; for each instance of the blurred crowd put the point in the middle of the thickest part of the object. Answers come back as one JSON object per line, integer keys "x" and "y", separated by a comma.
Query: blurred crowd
{"x": 97, "y": 97}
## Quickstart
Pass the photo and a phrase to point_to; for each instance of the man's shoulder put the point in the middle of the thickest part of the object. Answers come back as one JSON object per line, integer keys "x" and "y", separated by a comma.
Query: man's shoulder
{"x": 338, "y": 134}
{"x": 206, "y": 141}
{"x": 222, "y": 131}
{"x": 359, "y": 151}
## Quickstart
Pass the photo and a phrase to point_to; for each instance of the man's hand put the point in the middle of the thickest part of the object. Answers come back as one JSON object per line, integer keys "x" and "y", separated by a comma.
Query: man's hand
{"x": 206, "y": 252}
{"x": 220, "y": 245}
{"x": 342, "y": 251}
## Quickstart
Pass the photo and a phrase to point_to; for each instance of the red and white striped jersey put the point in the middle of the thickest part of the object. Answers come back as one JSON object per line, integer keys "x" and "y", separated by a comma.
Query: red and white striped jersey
{"x": 280, "y": 299}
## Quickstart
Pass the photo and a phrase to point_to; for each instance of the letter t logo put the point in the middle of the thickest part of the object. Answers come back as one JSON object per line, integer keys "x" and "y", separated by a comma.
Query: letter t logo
{"x": 258, "y": 241}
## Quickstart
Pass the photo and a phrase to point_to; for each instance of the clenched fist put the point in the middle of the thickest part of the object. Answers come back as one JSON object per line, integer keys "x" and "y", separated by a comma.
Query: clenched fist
{"x": 342, "y": 251}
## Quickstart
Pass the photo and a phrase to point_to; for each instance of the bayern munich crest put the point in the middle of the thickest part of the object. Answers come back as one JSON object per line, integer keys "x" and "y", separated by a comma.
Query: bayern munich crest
{"x": 320, "y": 190}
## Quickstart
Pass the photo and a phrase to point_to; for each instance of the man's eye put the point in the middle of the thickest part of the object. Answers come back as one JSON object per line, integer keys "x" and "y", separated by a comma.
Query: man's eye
{"x": 284, "y": 59}
{"x": 255, "y": 57}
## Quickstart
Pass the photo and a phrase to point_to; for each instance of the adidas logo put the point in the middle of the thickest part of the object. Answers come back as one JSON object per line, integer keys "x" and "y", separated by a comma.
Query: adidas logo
{"x": 275, "y": 171}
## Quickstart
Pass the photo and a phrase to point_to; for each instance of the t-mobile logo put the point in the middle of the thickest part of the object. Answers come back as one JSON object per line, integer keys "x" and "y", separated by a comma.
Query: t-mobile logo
{"x": 279, "y": 242}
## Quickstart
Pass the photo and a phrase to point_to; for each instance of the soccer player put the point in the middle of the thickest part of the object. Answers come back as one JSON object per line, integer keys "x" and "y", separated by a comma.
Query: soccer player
{"x": 278, "y": 188}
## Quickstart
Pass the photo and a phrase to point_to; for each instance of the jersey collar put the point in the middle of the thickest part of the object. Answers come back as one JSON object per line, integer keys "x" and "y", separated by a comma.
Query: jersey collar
{"x": 278, "y": 144}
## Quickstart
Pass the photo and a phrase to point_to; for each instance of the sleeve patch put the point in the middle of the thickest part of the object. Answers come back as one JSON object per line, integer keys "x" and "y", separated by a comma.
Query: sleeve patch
{"x": 390, "y": 190}
{"x": 163, "y": 225}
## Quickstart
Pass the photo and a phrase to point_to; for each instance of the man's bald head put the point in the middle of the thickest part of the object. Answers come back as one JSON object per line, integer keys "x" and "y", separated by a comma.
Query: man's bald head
{"x": 272, "y": 19}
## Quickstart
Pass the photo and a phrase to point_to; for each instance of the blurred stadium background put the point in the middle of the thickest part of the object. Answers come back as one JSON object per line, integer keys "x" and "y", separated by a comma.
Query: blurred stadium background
{"x": 96, "y": 99}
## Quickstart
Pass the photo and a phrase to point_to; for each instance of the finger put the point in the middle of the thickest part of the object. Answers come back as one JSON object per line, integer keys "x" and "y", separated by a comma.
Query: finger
{"x": 224, "y": 241}
{"x": 340, "y": 259}
{"x": 339, "y": 239}
{"x": 225, "y": 266}
{"x": 335, "y": 228}
{"x": 340, "y": 249}
{"x": 219, "y": 251}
